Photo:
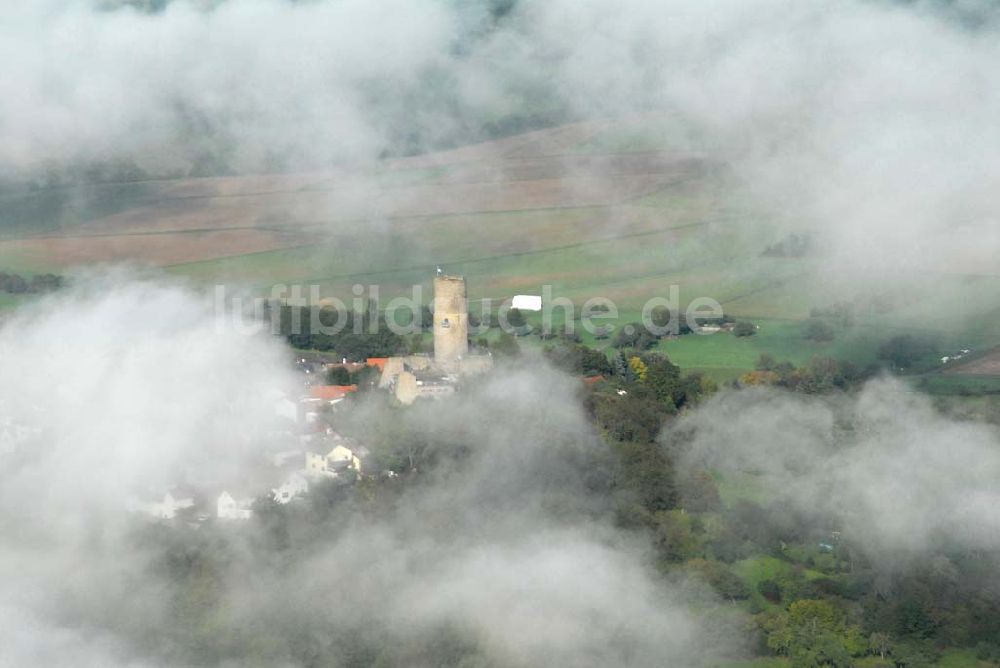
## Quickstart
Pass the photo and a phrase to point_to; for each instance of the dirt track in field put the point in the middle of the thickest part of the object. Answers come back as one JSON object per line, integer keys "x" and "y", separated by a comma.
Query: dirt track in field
{"x": 190, "y": 220}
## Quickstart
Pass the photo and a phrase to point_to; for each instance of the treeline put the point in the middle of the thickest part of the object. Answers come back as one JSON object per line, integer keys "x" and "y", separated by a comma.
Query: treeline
{"x": 356, "y": 336}
{"x": 820, "y": 375}
{"x": 360, "y": 335}
{"x": 794, "y": 245}
{"x": 15, "y": 284}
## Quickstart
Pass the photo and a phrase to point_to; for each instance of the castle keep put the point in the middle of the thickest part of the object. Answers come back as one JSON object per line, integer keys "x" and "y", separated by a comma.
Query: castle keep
{"x": 416, "y": 376}
{"x": 451, "y": 322}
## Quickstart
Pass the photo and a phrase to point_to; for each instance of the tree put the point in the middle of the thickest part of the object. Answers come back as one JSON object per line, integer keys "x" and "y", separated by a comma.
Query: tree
{"x": 664, "y": 378}
{"x": 674, "y": 536}
{"x": 16, "y": 285}
{"x": 879, "y": 643}
{"x": 744, "y": 328}
{"x": 700, "y": 493}
{"x": 766, "y": 362}
{"x": 723, "y": 580}
{"x": 812, "y": 633}
{"x": 818, "y": 330}
{"x": 770, "y": 590}
{"x": 338, "y": 375}
{"x": 516, "y": 319}
{"x": 823, "y": 374}
{"x": 646, "y": 474}
{"x": 506, "y": 346}
{"x": 593, "y": 362}
{"x": 578, "y": 359}
{"x": 365, "y": 378}
{"x": 988, "y": 651}
{"x": 759, "y": 378}
{"x": 904, "y": 350}
{"x": 915, "y": 653}
{"x": 814, "y": 615}
{"x": 602, "y": 332}
{"x": 426, "y": 317}
{"x": 634, "y": 335}
{"x": 618, "y": 365}
{"x": 638, "y": 368}
{"x": 779, "y": 632}
{"x": 826, "y": 650}
{"x": 629, "y": 417}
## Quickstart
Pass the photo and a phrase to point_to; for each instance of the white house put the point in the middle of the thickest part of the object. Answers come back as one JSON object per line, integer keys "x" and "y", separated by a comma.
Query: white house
{"x": 341, "y": 454}
{"x": 295, "y": 485}
{"x": 345, "y": 454}
{"x": 228, "y": 508}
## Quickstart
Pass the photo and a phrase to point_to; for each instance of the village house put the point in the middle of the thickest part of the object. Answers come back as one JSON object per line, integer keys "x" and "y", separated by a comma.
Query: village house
{"x": 228, "y": 507}
{"x": 332, "y": 454}
{"x": 331, "y": 394}
{"x": 294, "y": 486}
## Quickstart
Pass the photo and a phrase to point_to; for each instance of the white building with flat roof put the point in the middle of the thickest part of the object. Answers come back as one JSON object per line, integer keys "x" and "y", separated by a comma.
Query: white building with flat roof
{"x": 526, "y": 302}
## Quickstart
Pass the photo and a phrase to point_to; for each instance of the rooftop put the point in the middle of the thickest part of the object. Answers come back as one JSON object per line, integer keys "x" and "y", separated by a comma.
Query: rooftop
{"x": 331, "y": 392}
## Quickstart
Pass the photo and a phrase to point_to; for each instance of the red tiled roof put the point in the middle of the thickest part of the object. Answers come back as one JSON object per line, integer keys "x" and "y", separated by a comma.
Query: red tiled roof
{"x": 331, "y": 392}
{"x": 591, "y": 380}
{"x": 378, "y": 362}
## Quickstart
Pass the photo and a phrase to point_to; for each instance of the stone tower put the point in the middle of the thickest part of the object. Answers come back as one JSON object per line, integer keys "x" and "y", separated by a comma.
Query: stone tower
{"x": 451, "y": 321}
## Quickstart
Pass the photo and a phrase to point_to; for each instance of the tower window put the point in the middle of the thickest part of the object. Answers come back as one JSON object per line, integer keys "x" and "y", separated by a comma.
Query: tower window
{"x": 445, "y": 323}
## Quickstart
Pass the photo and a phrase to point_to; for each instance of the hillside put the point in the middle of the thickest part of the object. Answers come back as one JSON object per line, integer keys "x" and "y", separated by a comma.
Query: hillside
{"x": 621, "y": 211}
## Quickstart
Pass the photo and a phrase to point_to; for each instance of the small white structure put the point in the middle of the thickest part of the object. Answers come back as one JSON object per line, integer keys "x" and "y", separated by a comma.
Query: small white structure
{"x": 162, "y": 509}
{"x": 228, "y": 508}
{"x": 527, "y": 302}
{"x": 295, "y": 486}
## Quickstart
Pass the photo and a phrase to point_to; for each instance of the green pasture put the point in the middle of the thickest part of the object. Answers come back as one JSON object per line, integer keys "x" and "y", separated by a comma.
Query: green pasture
{"x": 967, "y": 385}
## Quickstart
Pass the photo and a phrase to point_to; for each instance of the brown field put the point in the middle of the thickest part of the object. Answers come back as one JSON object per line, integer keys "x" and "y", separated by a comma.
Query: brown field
{"x": 191, "y": 220}
{"x": 987, "y": 365}
{"x": 155, "y": 249}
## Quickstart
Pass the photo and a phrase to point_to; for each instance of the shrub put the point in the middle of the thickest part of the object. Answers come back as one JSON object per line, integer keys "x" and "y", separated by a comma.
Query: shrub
{"x": 770, "y": 590}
